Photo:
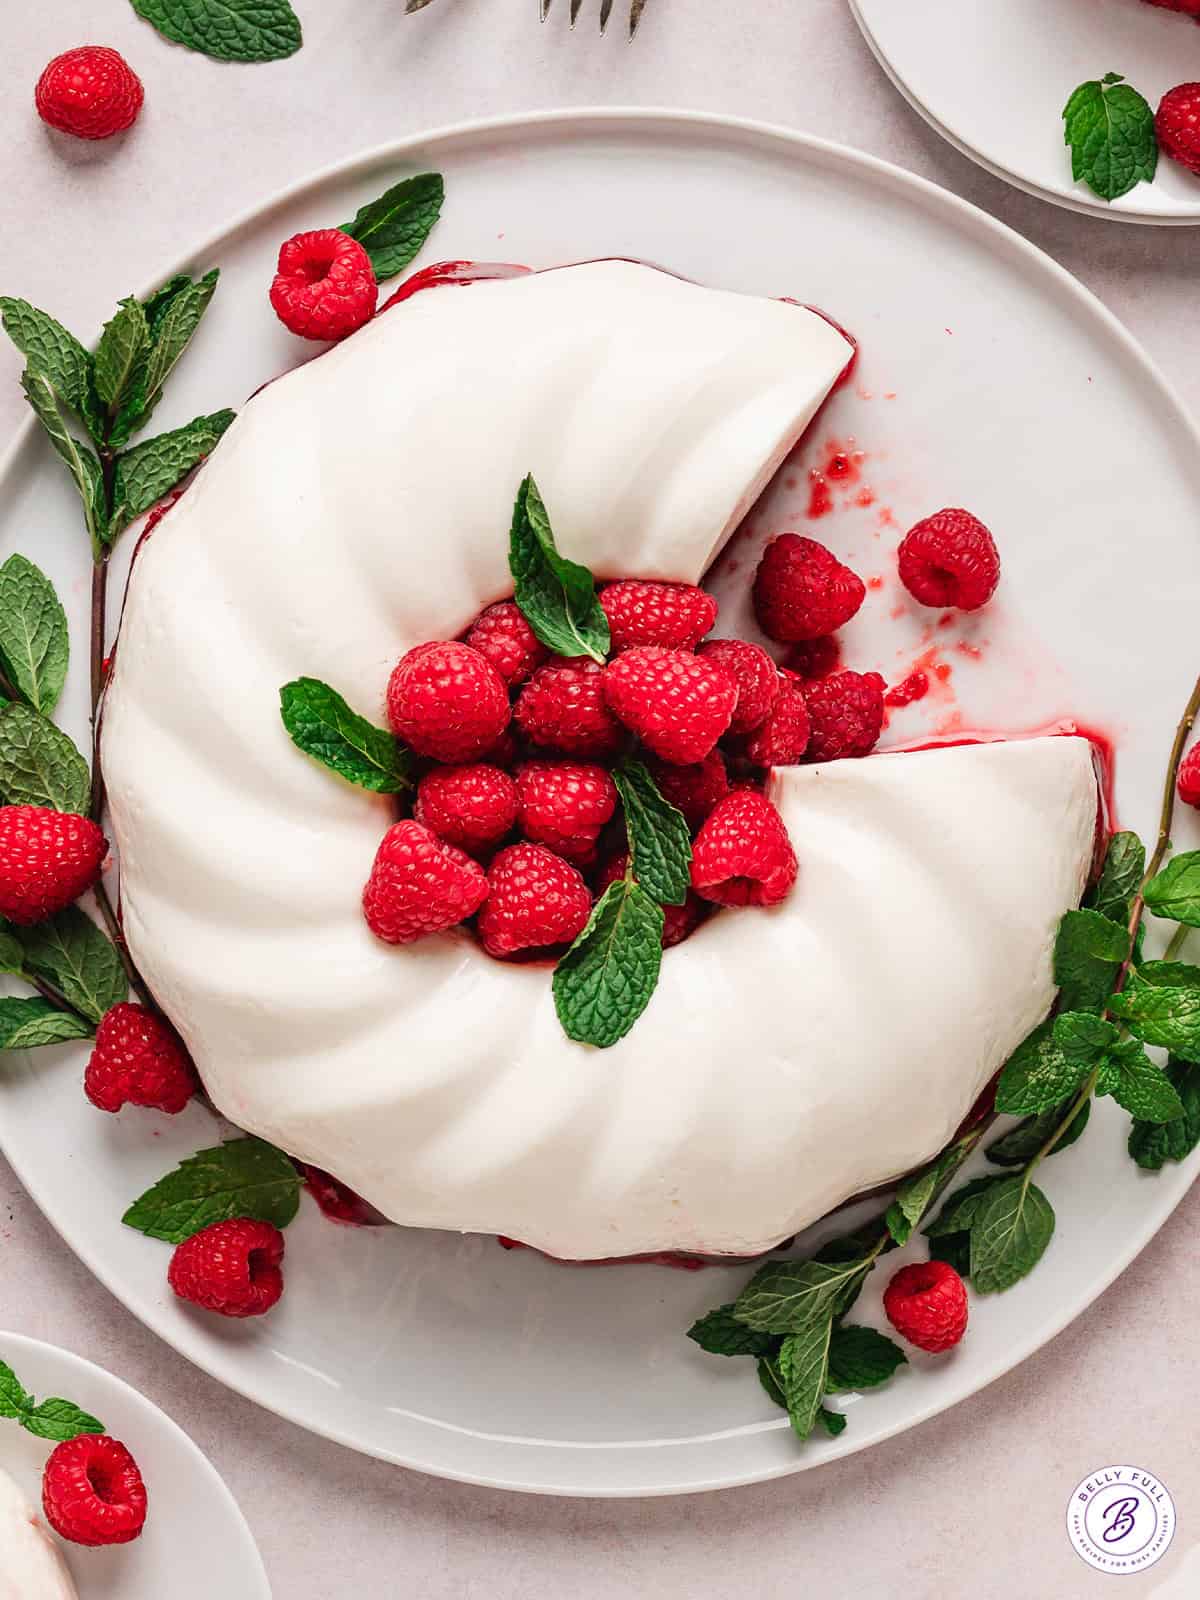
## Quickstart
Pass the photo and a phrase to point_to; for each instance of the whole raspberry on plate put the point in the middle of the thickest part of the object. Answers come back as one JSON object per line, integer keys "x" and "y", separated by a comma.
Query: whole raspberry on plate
{"x": 91, "y": 92}
{"x": 1177, "y": 124}
{"x": 501, "y": 634}
{"x": 742, "y": 855}
{"x": 677, "y": 703}
{"x": 782, "y": 738}
{"x": 679, "y": 922}
{"x": 563, "y": 708}
{"x": 419, "y": 885}
{"x": 1189, "y": 778}
{"x": 926, "y": 1303}
{"x": 138, "y": 1059}
{"x": 676, "y": 615}
{"x": 324, "y": 287}
{"x": 950, "y": 559}
{"x": 92, "y": 1491}
{"x": 845, "y": 714}
{"x": 755, "y": 674}
{"x": 564, "y": 805}
{"x": 47, "y": 860}
{"x": 535, "y": 900}
{"x": 233, "y": 1268}
{"x": 694, "y": 790}
{"x": 472, "y": 807}
{"x": 802, "y": 590}
{"x": 447, "y": 701}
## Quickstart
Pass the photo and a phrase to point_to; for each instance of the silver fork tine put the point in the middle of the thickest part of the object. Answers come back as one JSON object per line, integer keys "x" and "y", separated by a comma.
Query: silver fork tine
{"x": 605, "y": 12}
{"x": 576, "y": 6}
{"x": 636, "y": 7}
{"x": 544, "y": 9}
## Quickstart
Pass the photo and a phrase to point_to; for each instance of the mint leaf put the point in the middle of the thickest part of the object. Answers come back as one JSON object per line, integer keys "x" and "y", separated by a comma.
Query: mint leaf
{"x": 151, "y": 470}
{"x": 1088, "y": 953}
{"x": 155, "y": 305}
{"x": 34, "y": 642}
{"x": 15, "y": 1400}
{"x": 1124, "y": 868}
{"x": 322, "y": 725}
{"x": 1024, "y": 1141}
{"x": 227, "y": 30}
{"x": 834, "y": 1422}
{"x": 1083, "y": 1039}
{"x": 557, "y": 597}
{"x": 1110, "y": 130}
{"x": 861, "y": 1358}
{"x": 82, "y": 463}
{"x": 39, "y": 765}
{"x": 1009, "y": 1234}
{"x": 915, "y": 1193}
{"x": 1161, "y": 1004}
{"x": 1137, "y": 1084}
{"x": 1175, "y": 892}
{"x": 82, "y": 963}
{"x": 125, "y": 340}
{"x": 12, "y": 957}
{"x": 955, "y": 1250}
{"x": 788, "y": 1296}
{"x": 1038, "y": 1074}
{"x": 241, "y": 1178}
{"x": 961, "y": 1209}
{"x": 768, "y": 1376}
{"x": 1152, "y": 1144}
{"x": 172, "y": 315}
{"x": 604, "y": 982}
{"x": 59, "y": 1420}
{"x": 393, "y": 228}
{"x": 659, "y": 840}
{"x": 721, "y": 1334}
{"x": 802, "y": 1365}
{"x": 57, "y": 356}
{"x": 26, "y": 1024}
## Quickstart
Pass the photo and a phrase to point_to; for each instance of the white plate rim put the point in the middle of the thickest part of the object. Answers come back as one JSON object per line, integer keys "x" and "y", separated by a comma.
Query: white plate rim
{"x": 1170, "y": 1187}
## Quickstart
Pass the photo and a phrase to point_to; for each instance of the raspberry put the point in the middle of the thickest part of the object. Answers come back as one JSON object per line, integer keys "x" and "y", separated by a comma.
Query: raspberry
{"x": 926, "y": 1303}
{"x": 1189, "y": 778}
{"x": 783, "y": 737}
{"x": 91, "y": 92}
{"x": 815, "y": 658}
{"x": 756, "y": 676}
{"x": 845, "y": 714}
{"x": 503, "y": 637}
{"x": 679, "y": 922}
{"x": 742, "y": 855}
{"x": 678, "y": 704}
{"x": 471, "y": 807}
{"x": 92, "y": 1491}
{"x": 1190, "y": 8}
{"x": 446, "y": 701}
{"x": 1177, "y": 123}
{"x": 535, "y": 899}
{"x": 564, "y": 805}
{"x": 677, "y": 615}
{"x": 562, "y": 707}
{"x": 47, "y": 860}
{"x": 325, "y": 285}
{"x": 801, "y": 590}
{"x": 230, "y": 1267}
{"x": 138, "y": 1060}
{"x": 950, "y": 559}
{"x": 419, "y": 884}
{"x": 694, "y": 790}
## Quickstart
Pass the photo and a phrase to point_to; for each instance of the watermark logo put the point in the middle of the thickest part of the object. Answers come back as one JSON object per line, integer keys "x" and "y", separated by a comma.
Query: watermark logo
{"x": 1121, "y": 1519}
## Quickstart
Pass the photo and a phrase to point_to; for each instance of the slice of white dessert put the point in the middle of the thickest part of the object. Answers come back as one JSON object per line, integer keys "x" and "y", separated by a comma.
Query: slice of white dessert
{"x": 31, "y": 1567}
{"x": 788, "y": 1059}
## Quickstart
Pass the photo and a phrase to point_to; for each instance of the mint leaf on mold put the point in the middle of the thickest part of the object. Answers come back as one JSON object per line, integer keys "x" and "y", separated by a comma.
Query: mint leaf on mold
{"x": 1153, "y": 1144}
{"x": 82, "y": 462}
{"x": 660, "y": 843}
{"x": 1161, "y": 1005}
{"x": 321, "y": 724}
{"x": 802, "y": 1367}
{"x": 788, "y": 1296}
{"x": 150, "y": 470}
{"x": 34, "y": 640}
{"x": 240, "y": 1178}
{"x": 1038, "y": 1074}
{"x": 605, "y": 980}
{"x": 39, "y": 764}
{"x": 1020, "y": 1144}
{"x": 227, "y": 30}
{"x": 1088, "y": 952}
{"x": 1175, "y": 891}
{"x": 53, "y": 1419}
{"x": 1009, "y": 1234}
{"x": 393, "y": 228}
{"x": 82, "y": 963}
{"x": 721, "y": 1334}
{"x": 123, "y": 343}
{"x": 26, "y": 1024}
{"x": 1124, "y": 868}
{"x": 56, "y": 355}
{"x": 557, "y": 597}
{"x": 1109, "y": 127}
{"x": 861, "y": 1358}
{"x": 915, "y": 1193}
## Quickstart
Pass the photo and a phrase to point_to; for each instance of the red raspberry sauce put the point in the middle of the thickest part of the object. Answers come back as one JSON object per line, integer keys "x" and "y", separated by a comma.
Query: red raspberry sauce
{"x": 914, "y": 687}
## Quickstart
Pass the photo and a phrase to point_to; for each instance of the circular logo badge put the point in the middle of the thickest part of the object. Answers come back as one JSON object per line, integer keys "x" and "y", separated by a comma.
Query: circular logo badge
{"x": 1121, "y": 1519}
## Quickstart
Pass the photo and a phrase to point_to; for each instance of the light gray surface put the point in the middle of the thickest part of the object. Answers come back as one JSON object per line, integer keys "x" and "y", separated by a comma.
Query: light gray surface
{"x": 973, "y": 1498}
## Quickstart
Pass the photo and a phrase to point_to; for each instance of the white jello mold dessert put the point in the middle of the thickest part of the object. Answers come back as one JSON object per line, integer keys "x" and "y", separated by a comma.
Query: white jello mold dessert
{"x": 789, "y": 1058}
{"x": 31, "y": 1567}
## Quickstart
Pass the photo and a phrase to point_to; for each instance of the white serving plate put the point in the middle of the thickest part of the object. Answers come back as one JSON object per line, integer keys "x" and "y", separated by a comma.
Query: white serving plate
{"x": 988, "y": 377}
{"x": 195, "y": 1543}
{"x": 993, "y": 79}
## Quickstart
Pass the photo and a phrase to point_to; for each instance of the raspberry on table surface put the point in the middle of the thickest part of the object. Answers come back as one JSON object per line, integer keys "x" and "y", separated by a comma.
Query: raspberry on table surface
{"x": 90, "y": 92}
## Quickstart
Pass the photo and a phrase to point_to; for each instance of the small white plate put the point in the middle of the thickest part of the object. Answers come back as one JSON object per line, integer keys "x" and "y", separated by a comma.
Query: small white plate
{"x": 993, "y": 78}
{"x": 195, "y": 1545}
{"x": 989, "y": 378}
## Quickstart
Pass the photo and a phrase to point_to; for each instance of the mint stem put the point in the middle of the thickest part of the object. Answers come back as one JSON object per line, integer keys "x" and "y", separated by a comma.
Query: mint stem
{"x": 1177, "y": 941}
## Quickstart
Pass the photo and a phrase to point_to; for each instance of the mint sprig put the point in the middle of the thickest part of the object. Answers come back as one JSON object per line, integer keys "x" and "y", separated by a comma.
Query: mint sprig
{"x": 605, "y": 980}
{"x": 1174, "y": 892}
{"x": 70, "y": 952}
{"x": 58, "y": 355}
{"x": 557, "y": 597}
{"x": 1088, "y": 953}
{"x": 660, "y": 842}
{"x": 861, "y": 1358}
{"x": 34, "y": 641}
{"x": 54, "y": 1419}
{"x": 149, "y": 471}
{"x": 803, "y": 1368}
{"x": 320, "y": 723}
{"x": 1120, "y": 878}
{"x": 227, "y": 30}
{"x": 27, "y": 1023}
{"x": 123, "y": 346}
{"x": 39, "y": 763}
{"x": 1153, "y": 1144}
{"x": 1109, "y": 127}
{"x": 393, "y": 228}
{"x": 1022, "y": 1143}
{"x": 241, "y": 1178}
{"x": 720, "y": 1333}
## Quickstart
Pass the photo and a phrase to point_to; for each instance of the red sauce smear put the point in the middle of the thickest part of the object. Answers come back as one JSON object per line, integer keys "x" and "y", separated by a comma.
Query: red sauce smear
{"x": 914, "y": 687}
